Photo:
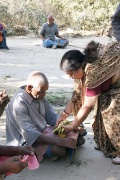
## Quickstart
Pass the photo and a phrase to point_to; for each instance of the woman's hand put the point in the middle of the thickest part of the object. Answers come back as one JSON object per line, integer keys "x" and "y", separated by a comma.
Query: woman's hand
{"x": 68, "y": 128}
{"x": 60, "y": 119}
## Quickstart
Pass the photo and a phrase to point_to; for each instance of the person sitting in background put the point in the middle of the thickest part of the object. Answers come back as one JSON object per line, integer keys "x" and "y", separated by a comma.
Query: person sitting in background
{"x": 3, "y": 33}
{"x": 12, "y": 163}
{"x": 48, "y": 32}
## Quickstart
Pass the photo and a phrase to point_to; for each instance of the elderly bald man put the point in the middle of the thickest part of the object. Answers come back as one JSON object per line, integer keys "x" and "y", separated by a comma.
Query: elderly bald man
{"x": 9, "y": 159}
{"x": 27, "y": 116}
{"x": 49, "y": 32}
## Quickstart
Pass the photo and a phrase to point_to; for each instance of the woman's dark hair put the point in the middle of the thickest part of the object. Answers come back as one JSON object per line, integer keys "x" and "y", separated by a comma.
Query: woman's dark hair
{"x": 72, "y": 60}
{"x": 91, "y": 51}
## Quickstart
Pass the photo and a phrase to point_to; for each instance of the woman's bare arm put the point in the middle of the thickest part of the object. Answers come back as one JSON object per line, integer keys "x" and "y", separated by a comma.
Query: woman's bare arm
{"x": 115, "y": 78}
{"x": 82, "y": 114}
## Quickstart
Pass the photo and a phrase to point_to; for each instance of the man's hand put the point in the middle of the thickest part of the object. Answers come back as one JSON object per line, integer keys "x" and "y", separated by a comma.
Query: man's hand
{"x": 16, "y": 150}
{"x": 4, "y": 99}
{"x": 14, "y": 165}
{"x": 25, "y": 150}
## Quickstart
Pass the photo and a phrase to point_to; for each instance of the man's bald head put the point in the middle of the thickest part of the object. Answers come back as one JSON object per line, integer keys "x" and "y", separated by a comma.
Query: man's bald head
{"x": 35, "y": 78}
{"x": 50, "y": 19}
{"x": 50, "y": 16}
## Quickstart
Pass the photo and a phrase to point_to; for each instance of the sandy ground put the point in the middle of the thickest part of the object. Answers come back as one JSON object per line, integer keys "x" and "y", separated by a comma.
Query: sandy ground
{"x": 25, "y": 55}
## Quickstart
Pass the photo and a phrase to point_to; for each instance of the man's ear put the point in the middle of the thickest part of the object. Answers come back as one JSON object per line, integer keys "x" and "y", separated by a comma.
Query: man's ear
{"x": 29, "y": 87}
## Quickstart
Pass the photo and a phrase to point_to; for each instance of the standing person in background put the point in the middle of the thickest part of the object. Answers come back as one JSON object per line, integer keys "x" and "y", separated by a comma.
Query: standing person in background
{"x": 116, "y": 23}
{"x": 3, "y": 33}
{"x": 48, "y": 32}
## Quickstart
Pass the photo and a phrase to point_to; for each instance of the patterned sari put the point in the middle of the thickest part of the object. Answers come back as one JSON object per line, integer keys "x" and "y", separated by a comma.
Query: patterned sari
{"x": 106, "y": 126}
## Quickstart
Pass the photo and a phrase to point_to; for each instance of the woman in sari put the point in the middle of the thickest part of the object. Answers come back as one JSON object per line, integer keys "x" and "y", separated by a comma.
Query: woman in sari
{"x": 97, "y": 85}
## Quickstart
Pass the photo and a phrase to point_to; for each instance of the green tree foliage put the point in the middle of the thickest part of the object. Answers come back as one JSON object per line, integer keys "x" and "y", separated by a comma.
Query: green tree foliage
{"x": 77, "y": 14}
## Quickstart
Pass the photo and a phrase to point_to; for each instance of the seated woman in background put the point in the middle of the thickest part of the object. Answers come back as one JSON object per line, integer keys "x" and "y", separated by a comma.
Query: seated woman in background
{"x": 3, "y": 33}
{"x": 97, "y": 85}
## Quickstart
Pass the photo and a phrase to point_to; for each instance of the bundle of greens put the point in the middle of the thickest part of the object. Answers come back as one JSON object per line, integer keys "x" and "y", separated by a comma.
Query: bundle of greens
{"x": 60, "y": 131}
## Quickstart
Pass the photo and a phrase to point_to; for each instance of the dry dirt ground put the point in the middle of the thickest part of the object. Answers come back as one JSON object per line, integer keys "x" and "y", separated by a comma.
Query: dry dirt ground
{"x": 27, "y": 54}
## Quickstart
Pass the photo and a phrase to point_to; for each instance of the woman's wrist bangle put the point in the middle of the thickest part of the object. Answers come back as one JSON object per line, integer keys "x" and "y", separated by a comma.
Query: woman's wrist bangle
{"x": 65, "y": 114}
